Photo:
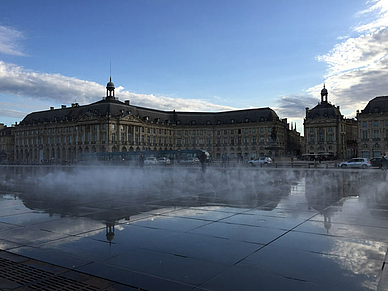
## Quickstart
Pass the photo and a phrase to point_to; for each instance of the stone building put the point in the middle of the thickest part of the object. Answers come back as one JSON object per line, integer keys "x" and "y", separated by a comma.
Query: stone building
{"x": 372, "y": 127}
{"x": 110, "y": 125}
{"x": 327, "y": 131}
{"x": 6, "y": 144}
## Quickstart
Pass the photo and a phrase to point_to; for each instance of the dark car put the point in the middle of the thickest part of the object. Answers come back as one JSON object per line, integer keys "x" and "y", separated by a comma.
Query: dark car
{"x": 376, "y": 162}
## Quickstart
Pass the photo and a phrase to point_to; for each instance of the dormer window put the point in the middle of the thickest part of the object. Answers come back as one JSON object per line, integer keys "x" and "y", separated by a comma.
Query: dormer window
{"x": 246, "y": 120}
{"x": 193, "y": 122}
{"x": 178, "y": 122}
{"x": 218, "y": 122}
{"x": 262, "y": 118}
{"x": 208, "y": 122}
{"x": 232, "y": 121}
{"x": 145, "y": 118}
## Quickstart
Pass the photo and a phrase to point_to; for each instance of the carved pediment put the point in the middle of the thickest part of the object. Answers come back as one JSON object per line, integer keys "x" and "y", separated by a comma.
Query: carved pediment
{"x": 85, "y": 117}
{"x": 130, "y": 117}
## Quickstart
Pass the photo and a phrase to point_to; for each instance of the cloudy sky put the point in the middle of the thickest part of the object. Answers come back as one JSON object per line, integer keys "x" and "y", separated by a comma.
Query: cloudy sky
{"x": 193, "y": 55}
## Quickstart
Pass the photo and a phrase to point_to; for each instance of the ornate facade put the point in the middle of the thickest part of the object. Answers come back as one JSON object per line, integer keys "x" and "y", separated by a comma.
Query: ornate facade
{"x": 110, "y": 125}
{"x": 6, "y": 144}
{"x": 327, "y": 131}
{"x": 372, "y": 126}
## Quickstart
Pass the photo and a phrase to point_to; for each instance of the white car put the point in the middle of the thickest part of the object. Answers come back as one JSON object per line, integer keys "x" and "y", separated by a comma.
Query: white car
{"x": 190, "y": 161}
{"x": 150, "y": 161}
{"x": 265, "y": 161}
{"x": 362, "y": 163}
{"x": 163, "y": 161}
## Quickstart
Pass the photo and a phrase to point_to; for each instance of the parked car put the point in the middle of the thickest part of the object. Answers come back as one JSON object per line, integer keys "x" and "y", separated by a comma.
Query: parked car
{"x": 163, "y": 161}
{"x": 356, "y": 163}
{"x": 190, "y": 161}
{"x": 376, "y": 162}
{"x": 265, "y": 161}
{"x": 150, "y": 161}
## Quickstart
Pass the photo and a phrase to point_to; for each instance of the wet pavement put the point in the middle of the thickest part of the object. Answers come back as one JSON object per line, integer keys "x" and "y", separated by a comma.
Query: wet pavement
{"x": 180, "y": 229}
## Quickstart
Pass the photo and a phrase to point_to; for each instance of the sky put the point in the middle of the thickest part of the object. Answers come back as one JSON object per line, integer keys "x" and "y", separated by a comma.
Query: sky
{"x": 198, "y": 55}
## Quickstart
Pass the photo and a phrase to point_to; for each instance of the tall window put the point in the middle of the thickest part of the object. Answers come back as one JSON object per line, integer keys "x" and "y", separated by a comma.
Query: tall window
{"x": 376, "y": 133}
{"x": 330, "y": 137}
{"x": 320, "y": 135}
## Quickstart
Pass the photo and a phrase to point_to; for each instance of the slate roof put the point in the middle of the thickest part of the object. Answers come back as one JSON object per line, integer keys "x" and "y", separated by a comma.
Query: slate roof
{"x": 324, "y": 109}
{"x": 376, "y": 105}
{"x": 117, "y": 108}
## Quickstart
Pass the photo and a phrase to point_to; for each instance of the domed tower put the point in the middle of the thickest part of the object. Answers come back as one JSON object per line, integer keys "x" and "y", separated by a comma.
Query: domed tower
{"x": 324, "y": 94}
{"x": 110, "y": 90}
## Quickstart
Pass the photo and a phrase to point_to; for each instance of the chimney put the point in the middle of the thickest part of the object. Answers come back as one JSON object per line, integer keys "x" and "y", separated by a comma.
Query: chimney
{"x": 307, "y": 111}
{"x": 63, "y": 106}
{"x": 51, "y": 108}
{"x": 127, "y": 102}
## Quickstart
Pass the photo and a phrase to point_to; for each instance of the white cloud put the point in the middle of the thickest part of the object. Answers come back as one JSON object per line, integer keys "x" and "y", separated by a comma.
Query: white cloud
{"x": 9, "y": 41}
{"x": 12, "y": 113}
{"x": 378, "y": 16}
{"x": 357, "y": 67}
{"x": 16, "y": 80}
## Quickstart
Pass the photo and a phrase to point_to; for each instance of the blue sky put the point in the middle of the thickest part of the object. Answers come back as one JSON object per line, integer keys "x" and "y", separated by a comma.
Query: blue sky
{"x": 193, "y": 55}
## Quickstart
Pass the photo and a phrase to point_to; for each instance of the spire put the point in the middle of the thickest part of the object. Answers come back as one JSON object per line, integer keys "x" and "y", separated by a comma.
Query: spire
{"x": 324, "y": 94}
{"x": 110, "y": 90}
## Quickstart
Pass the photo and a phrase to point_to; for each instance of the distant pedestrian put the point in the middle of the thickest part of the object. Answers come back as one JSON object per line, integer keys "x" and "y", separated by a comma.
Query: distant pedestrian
{"x": 224, "y": 159}
{"x": 141, "y": 161}
{"x": 202, "y": 159}
{"x": 384, "y": 159}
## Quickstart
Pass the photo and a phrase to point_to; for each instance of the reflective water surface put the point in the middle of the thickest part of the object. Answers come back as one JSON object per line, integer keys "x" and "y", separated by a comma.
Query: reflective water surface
{"x": 182, "y": 229}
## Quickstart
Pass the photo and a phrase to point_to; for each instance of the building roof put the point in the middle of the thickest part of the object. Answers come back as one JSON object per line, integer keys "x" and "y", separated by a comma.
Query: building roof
{"x": 116, "y": 108}
{"x": 376, "y": 105}
{"x": 324, "y": 109}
